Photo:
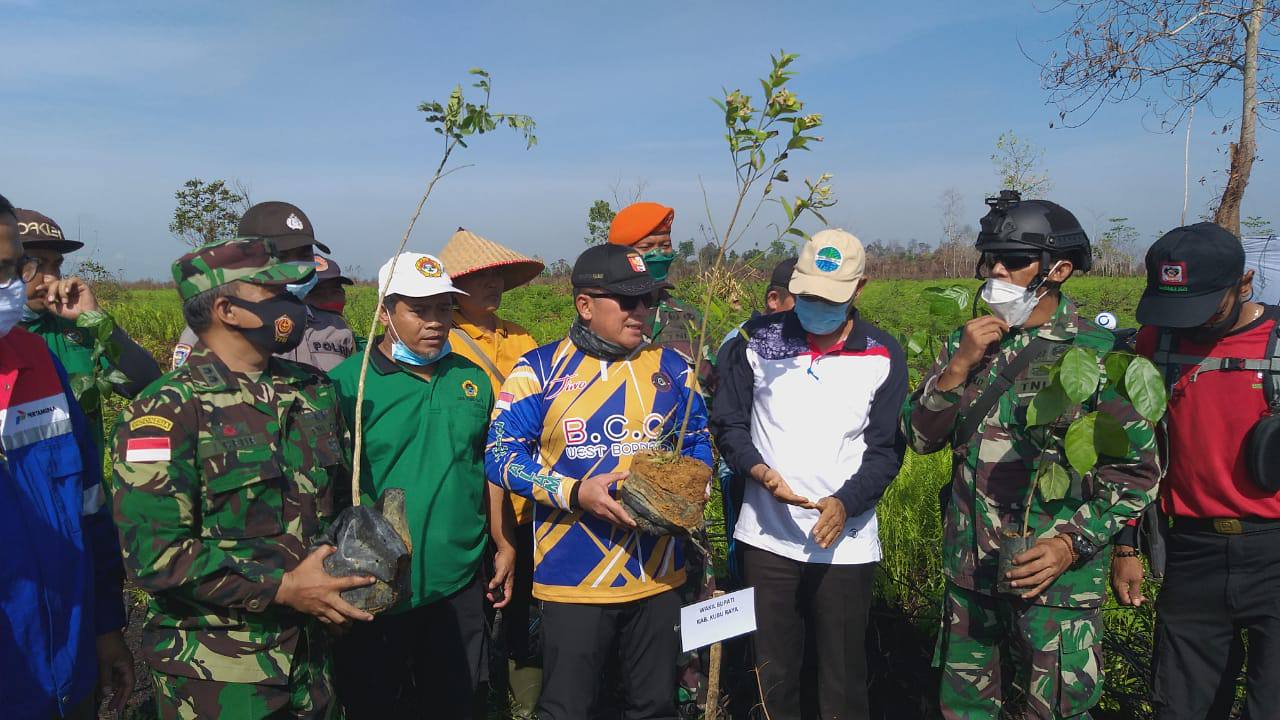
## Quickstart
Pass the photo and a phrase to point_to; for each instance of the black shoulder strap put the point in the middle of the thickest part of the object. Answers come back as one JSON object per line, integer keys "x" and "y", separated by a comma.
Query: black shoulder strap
{"x": 977, "y": 412}
{"x": 1271, "y": 380}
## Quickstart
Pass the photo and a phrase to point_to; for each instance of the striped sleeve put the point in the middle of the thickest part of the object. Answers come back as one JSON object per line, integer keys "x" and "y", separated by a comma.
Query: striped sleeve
{"x": 511, "y": 458}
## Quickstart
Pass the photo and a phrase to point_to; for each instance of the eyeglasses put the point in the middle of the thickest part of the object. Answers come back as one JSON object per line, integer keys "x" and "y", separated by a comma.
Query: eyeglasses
{"x": 1011, "y": 260}
{"x": 626, "y": 302}
{"x": 24, "y": 267}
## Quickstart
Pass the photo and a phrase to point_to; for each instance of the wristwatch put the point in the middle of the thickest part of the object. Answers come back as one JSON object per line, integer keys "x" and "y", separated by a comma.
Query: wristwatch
{"x": 1083, "y": 549}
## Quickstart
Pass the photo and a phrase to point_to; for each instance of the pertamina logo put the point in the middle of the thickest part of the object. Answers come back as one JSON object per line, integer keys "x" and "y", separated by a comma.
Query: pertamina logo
{"x": 284, "y": 326}
{"x": 22, "y": 416}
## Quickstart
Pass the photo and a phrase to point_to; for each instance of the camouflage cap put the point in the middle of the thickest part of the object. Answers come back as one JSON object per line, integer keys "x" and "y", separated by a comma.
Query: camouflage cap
{"x": 251, "y": 260}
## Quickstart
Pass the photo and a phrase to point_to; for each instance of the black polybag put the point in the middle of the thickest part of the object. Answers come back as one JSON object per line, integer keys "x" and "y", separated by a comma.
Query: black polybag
{"x": 372, "y": 541}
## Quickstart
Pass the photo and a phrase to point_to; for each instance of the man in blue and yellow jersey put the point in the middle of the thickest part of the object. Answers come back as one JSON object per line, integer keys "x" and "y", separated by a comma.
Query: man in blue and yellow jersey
{"x": 566, "y": 425}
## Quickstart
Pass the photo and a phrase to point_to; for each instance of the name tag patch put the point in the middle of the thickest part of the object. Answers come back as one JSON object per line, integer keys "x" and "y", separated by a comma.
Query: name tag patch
{"x": 149, "y": 449}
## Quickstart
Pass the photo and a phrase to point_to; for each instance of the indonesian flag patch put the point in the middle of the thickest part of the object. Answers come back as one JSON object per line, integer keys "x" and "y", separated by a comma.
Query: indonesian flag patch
{"x": 504, "y": 400}
{"x": 147, "y": 449}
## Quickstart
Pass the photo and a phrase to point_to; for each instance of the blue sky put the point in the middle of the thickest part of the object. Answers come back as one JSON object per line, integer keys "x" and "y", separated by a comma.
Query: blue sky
{"x": 109, "y": 107}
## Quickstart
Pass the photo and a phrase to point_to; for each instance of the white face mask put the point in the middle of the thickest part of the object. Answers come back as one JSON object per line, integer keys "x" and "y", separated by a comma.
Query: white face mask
{"x": 1011, "y": 303}
{"x": 13, "y": 300}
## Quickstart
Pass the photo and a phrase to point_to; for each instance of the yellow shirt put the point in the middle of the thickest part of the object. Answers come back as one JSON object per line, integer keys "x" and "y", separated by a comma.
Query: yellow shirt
{"x": 503, "y": 348}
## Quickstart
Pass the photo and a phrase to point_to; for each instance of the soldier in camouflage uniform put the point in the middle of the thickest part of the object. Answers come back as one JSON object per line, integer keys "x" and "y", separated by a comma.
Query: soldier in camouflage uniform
{"x": 225, "y": 470}
{"x": 1049, "y": 632}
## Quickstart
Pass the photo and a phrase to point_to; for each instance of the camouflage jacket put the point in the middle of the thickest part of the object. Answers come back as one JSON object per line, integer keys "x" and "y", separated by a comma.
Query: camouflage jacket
{"x": 991, "y": 474}
{"x": 669, "y": 324}
{"x": 221, "y": 483}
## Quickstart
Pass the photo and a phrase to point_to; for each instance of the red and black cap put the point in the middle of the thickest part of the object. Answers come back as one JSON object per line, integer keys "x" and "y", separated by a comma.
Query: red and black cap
{"x": 37, "y": 230}
{"x": 329, "y": 269}
{"x": 615, "y": 268}
{"x": 281, "y": 221}
{"x": 1189, "y": 270}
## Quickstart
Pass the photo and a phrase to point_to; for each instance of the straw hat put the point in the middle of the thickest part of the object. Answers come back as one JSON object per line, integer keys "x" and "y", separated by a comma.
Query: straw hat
{"x": 467, "y": 252}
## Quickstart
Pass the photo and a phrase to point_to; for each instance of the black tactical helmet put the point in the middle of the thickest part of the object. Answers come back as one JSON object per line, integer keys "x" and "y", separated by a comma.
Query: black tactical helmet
{"x": 1017, "y": 224}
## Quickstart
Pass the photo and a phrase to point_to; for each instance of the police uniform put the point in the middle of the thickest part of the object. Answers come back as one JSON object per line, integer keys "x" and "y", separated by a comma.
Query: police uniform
{"x": 326, "y": 342}
{"x": 1055, "y": 638}
{"x": 222, "y": 482}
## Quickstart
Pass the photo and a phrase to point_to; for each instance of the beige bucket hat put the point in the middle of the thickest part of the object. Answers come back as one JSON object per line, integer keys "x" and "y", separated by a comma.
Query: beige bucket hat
{"x": 467, "y": 252}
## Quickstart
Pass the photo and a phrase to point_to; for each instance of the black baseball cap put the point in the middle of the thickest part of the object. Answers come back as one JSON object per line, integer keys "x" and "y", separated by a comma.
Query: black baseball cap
{"x": 37, "y": 230}
{"x": 1189, "y": 269}
{"x": 283, "y": 222}
{"x": 615, "y": 268}
{"x": 782, "y": 272}
{"x": 329, "y": 269}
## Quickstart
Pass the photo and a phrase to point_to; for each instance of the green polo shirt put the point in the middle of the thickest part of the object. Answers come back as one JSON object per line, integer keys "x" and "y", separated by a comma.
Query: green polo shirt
{"x": 74, "y": 349}
{"x": 428, "y": 438}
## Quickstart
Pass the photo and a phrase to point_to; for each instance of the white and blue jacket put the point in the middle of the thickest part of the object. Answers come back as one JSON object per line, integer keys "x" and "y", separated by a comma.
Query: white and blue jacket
{"x": 60, "y": 573}
{"x": 825, "y": 418}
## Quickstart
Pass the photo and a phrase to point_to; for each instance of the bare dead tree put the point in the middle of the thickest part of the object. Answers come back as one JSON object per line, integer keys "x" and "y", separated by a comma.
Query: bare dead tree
{"x": 623, "y": 198}
{"x": 1175, "y": 55}
{"x": 953, "y": 231}
{"x": 1019, "y": 163}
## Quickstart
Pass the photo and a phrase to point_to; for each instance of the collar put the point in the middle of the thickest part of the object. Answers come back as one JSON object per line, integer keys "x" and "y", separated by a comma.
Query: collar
{"x": 461, "y": 322}
{"x": 19, "y": 348}
{"x": 856, "y": 341}
{"x": 1063, "y": 325}
{"x": 210, "y": 374}
{"x": 384, "y": 365}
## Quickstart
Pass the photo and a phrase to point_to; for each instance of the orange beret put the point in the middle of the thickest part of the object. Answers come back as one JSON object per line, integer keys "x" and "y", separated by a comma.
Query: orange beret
{"x": 638, "y": 221}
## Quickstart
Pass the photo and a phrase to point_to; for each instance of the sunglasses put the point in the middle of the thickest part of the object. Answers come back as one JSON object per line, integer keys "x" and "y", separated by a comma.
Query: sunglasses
{"x": 626, "y": 302}
{"x": 1011, "y": 260}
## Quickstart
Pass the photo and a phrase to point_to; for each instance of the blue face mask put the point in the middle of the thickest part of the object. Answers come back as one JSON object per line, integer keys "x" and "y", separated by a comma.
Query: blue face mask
{"x": 820, "y": 318}
{"x": 301, "y": 289}
{"x": 402, "y": 354}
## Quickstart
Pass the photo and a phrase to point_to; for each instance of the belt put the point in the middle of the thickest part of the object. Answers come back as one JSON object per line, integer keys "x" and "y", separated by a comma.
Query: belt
{"x": 1224, "y": 526}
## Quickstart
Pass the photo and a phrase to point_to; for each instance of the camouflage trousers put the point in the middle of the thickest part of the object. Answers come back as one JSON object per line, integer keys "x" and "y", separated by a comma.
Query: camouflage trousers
{"x": 1054, "y": 655}
{"x": 307, "y": 694}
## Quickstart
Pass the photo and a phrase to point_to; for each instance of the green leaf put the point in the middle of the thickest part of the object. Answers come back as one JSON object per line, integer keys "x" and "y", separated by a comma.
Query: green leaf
{"x": 1080, "y": 374}
{"x": 1053, "y": 481}
{"x": 917, "y": 342}
{"x": 1079, "y": 444}
{"x": 1109, "y": 437}
{"x": 1116, "y": 364}
{"x": 1144, "y": 386}
{"x": 1048, "y": 405}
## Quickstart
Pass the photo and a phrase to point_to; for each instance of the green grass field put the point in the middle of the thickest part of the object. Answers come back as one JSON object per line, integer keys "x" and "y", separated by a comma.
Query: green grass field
{"x": 910, "y": 527}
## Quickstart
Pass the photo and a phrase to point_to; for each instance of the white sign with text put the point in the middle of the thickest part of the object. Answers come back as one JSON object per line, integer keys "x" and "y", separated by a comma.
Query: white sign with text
{"x": 719, "y": 618}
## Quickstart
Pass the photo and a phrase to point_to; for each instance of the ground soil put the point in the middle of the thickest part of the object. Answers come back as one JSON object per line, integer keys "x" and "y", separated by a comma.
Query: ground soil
{"x": 676, "y": 487}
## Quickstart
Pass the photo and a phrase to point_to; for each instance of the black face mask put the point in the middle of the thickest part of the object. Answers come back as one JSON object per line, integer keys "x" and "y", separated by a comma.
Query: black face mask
{"x": 283, "y": 317}
{"x": 1212, "y": 332}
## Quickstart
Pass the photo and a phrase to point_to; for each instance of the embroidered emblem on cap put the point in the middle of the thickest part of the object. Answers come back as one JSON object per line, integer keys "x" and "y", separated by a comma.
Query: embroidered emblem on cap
{"x": 828, "y": 259}
{"x": 284, "y": 326}
{"x": 429, "y": 267}
{"x": 321, "y": 264}
{"x": 1174, "y": 273}
{"x": 470, "y": 389}
{"x": 293, "y": 222}
{"x": 637, "y": 263}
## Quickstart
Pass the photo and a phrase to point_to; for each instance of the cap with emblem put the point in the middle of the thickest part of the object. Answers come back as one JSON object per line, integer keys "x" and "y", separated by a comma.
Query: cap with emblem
{"x": 329, "y": 269}
{"x": 416, "y": 275}
{"x": 250, "y": 260}
{"x": 830, "y": 265}
{"x": 1189, "y": 269}
{"x": 39, "y": 231}
{"x": 615, "y": 268}
{"x": 283, "y": 222}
